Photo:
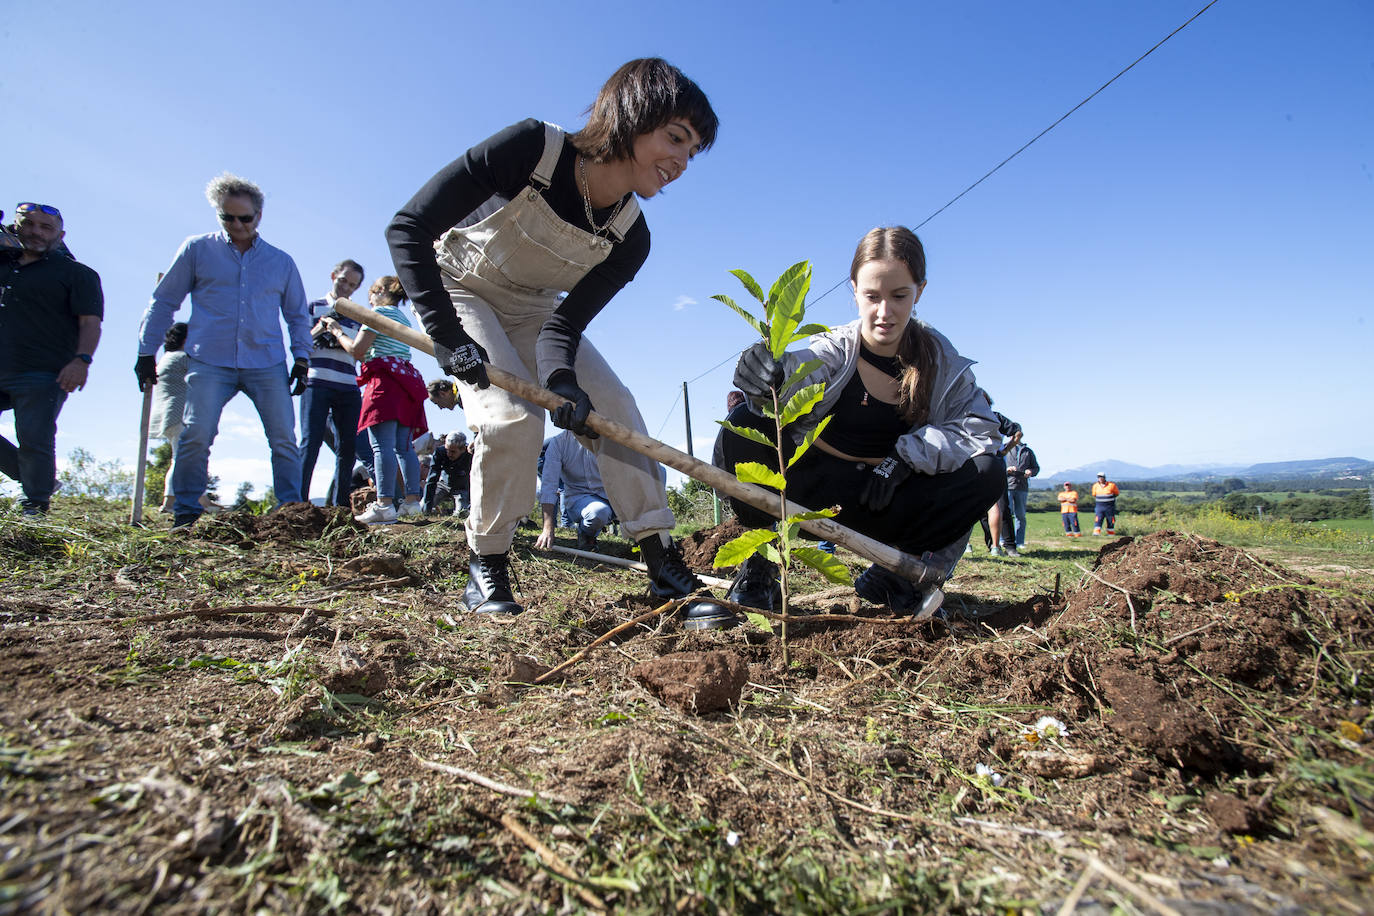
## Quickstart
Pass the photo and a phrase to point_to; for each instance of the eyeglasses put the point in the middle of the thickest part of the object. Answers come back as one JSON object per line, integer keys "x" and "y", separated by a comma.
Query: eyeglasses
{"x": 229, "y": 218}
{"x": 27, "y": 207}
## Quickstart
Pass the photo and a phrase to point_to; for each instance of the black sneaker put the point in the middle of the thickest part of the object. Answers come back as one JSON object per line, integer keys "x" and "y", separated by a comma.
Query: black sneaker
{"x": 34, "y": 509}
{"x": 756, "y": 584}
{"x": 183, "y": 521}
{"x": 669, "y": 577}
{"x": 586, "y": 541}
{"x": 488, "y": 590}
{"x": 877, "y": 585}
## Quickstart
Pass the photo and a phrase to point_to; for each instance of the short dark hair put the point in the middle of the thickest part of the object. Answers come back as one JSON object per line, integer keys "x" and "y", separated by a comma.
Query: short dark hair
{"x": 175, "y": 338}
{"x": 349, "y": 264}
{"x": 640, "y": 97}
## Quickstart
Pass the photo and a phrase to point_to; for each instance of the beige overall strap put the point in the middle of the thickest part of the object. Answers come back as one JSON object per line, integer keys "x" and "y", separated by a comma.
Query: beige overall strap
{"x": 628, "y": 214}
{"x": 542, "y": 176}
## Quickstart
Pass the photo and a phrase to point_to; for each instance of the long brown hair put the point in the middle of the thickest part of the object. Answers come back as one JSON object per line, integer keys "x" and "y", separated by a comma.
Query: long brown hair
{"x": 389, "y": 290}
{"x": 640, "y": 97}
{"x": 917, "y": 353}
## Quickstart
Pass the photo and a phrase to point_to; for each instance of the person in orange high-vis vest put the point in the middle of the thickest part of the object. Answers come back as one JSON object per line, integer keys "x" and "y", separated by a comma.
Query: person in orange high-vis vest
{"x": 1105, "y": 493}
{"x": 1068, "y": 511}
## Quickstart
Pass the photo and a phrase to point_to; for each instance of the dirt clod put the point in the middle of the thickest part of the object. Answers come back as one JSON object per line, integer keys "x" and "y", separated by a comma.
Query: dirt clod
{"x": 696, "y": 682}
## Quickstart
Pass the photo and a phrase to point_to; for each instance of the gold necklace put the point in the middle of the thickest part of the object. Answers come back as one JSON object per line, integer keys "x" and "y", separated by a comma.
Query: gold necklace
{"x": 597, "y": 231}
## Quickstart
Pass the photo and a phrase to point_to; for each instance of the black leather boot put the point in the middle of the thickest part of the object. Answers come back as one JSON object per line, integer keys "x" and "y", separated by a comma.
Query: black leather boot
{"x": 669, "y": 577}
{"x": 488, "y": 590}
{"x": 756, "y": 584}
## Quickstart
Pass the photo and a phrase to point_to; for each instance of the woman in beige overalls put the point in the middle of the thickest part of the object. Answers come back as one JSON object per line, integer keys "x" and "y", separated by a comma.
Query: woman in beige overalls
{"x": 508, "y": 253}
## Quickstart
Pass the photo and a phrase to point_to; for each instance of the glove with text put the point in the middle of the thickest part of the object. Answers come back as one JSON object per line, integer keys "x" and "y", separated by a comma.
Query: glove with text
{"x": 757, "y": 372}
{"x": 882, "y": 482}
{"x": 464, "y": 359}
{"x": 145, "y": 367}
{"x": 572, "y": 413}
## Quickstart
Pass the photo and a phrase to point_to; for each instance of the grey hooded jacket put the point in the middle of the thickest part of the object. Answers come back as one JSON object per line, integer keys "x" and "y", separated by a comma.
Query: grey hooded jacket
{"x": 961, "y": 424}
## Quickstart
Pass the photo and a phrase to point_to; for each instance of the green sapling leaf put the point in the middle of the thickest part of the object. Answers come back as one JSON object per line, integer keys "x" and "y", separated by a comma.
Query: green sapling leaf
{"x": 753, "y": 472}
{"x": 743, "y": 547}
{"x": 824, "y": 563}
{"x": 750, "y": 284}
{"x": 801, "y": 372}
{"x": 770, "y": 553}
{"x": 753, "y": 435}
{"x": 807, "y": 440}
{"x": 801, "y": 403}
{"x": 813, "y": 515}
{"x": 786, "y": 306}
{"x": 759, "y": 327}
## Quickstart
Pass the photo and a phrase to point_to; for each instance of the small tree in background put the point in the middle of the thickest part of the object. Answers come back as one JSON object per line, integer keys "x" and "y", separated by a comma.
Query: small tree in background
{"x": 783, "y": 312}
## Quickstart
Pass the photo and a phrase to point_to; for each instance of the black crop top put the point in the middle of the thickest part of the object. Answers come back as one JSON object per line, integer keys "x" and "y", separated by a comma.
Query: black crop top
{"x": 860, "y": 424}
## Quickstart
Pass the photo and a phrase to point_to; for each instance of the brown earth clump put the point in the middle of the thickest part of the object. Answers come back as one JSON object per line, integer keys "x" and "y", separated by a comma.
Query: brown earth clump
{"x": 699, "y": 548}
{"x": 290, "y": 523}
{"x": 696, "y": 682}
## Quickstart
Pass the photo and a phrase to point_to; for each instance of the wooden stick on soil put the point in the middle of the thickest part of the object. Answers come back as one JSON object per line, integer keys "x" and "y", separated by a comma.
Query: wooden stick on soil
{"x": 203, "y": 613}
{"x": 904, "y": 564}
{"x": 551, "y": 859}
{"x": 1129, "y": 603}
{"x": 607, "y": 637}
{"x": 486, "y": 782}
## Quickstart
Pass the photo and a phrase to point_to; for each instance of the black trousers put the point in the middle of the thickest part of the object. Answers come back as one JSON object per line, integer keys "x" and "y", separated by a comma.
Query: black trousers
{"x": 928, "y": 511}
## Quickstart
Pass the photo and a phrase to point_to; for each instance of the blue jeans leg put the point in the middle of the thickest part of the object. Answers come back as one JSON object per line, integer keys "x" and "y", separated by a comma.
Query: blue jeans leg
{"x": 270, "y": 391}
{"x": 322, "y": 408}
{"x": 208, "y": 389}
{"x": 36, "y": 400}
{"x": 590, "y": 513}
{"x": 382, "y": 437}
{"x": 408, "y": 461}
{"x": 347, "y": 406}
{"x": 1017, "y": 499}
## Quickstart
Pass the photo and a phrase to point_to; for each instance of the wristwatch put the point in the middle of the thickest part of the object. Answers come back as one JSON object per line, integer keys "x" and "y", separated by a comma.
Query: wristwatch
{"x": 84, "y": 357}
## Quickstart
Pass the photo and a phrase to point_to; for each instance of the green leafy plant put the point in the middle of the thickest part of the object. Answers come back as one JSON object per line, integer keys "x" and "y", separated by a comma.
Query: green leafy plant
{"x": 784, "y": 311}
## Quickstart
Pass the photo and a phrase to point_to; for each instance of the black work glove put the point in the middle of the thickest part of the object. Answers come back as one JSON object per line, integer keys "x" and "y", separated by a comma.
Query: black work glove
{"x": 572, "y": 413}
{"x": 298, "y": 375}
{"x": 757, "y": 373}
{"x": 463, "y": 358}
{"x": 145, "y": 367}
{"x": 882, "y": 482}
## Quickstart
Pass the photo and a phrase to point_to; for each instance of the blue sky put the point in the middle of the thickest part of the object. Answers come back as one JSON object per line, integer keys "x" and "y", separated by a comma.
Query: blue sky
{"x": 1178, "y": 273}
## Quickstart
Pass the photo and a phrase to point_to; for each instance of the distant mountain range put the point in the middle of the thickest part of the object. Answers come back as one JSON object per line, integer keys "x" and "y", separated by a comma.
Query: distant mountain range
{"x": 1359, "y": 469}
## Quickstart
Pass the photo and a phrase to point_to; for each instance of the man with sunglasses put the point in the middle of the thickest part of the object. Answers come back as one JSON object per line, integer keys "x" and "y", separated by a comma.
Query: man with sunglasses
{"x": 241, "y": 290}
{"x": 51, "y": 307}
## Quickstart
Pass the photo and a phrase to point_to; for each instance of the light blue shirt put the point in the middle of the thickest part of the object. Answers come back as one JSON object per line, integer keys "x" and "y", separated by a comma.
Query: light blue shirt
{"x": 567, "y": 460}
{"x": 238, "y": 302}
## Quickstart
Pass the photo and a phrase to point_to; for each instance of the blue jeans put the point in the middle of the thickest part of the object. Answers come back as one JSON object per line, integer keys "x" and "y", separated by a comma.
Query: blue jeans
{"x": 391, "y": 447}
{"x": 1017, "y": 502}
{"x": 318, "y": 406}
{"x": 36, "y": 401}
{"x": 590, "y": 513}
{"x": 208, "y": 389}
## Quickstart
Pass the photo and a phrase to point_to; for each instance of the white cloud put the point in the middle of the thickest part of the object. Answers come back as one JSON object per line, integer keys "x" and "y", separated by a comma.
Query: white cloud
{"x": 682, "y": 302}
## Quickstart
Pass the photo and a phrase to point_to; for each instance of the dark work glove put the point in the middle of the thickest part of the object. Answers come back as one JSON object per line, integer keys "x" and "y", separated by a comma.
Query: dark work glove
{"x": 882, "y": 482}
{"x": 572, "y": 413}
{"x": 757, "y": 371}
{"x": 463, "y": 358}
{"x": 145, "y": 367}
{"x": 298, "y": 374}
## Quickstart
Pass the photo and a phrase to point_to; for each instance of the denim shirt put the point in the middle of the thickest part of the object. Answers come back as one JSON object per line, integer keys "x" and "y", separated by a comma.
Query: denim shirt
{"x": 238, "y": 300}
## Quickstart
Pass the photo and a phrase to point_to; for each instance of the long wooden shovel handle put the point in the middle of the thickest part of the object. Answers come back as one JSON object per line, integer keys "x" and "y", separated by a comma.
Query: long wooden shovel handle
{"x": 904, "y": 564}
{"x": 141, "y": 465}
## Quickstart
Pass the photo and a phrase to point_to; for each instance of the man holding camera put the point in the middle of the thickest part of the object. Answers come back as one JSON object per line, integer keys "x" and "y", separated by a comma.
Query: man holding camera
{"x": 331, "y": 388}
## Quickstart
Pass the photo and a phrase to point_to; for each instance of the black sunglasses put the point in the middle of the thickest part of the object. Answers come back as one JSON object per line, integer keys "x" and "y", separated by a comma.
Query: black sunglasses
{"x": 27, "y": 207}
{"x": 229, "y": 218}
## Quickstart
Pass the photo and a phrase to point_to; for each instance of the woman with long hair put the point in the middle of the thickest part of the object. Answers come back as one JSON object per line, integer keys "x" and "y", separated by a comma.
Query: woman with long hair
{"x": 393, "y": 412}
{"x": 910, "y": 453}
{"x": 536, "y": 231}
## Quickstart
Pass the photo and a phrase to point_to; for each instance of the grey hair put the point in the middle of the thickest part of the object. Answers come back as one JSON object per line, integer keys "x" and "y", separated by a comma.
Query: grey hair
{"x": 227, "y": 184}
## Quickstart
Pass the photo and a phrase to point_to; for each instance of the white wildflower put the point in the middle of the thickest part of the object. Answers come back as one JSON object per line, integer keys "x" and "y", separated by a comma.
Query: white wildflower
{"x": 732, "y": 839}
{"x": 1049, "y": 727}
{"x": 992, "y": 775}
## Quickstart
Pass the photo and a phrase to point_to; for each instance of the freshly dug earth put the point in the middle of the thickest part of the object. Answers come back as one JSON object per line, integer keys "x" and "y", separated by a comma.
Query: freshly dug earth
{"x": 324, "y": 731}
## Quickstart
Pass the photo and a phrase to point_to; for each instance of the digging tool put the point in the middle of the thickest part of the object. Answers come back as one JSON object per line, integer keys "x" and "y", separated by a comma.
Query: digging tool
{"x": 904, "y": 564}
{"x": 136, "y": 515}
{"x": 626, "y": 564}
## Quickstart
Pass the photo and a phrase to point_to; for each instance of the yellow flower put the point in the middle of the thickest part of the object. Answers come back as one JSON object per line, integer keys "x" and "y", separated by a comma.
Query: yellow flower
{"x": 1350, "y": 731}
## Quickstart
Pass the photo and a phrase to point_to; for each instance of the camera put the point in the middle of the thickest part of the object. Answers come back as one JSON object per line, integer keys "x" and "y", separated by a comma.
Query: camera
{"x": 325, "y": 340}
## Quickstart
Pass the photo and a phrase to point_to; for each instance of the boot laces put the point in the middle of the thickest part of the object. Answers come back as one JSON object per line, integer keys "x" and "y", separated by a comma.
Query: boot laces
{"x": 674, "y": 569}
{"x": 495, "y": 572}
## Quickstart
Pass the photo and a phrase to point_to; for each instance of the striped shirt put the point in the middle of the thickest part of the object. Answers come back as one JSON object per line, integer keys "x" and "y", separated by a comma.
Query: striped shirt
{"x": 388, "y": 346}
{"x": 331, "y": 367}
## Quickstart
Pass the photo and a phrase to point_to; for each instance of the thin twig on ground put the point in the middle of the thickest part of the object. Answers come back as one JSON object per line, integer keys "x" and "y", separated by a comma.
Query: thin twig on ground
{"x": 551, "y": 859}
{"x": 604, "y": 638}
{"x": 1123, "y": 591}
{"x": 486, "y": 782}
{"x": 202, "y": 613}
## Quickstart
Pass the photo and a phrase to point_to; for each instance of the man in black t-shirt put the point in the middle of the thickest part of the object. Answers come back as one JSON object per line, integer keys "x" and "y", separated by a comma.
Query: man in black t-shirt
{"x": 50, "y": 313}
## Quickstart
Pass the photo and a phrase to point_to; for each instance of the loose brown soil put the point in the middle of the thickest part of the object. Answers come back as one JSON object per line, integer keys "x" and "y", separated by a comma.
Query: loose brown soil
{"x": 321, "y": 742}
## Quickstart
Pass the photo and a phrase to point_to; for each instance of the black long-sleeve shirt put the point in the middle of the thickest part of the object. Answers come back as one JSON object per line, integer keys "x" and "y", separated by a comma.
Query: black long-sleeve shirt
{"x": 476, "y": 184}
{"x": 458, "y": 471}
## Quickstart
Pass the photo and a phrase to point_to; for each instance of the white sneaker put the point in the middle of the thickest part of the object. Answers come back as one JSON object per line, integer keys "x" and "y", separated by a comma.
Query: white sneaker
{"x": 377, "y": 514}
{"x": 408, "y": 509}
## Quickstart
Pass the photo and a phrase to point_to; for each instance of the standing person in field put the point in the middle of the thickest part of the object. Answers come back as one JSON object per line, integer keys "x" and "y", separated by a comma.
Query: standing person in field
{"x": 1068, "y": 511}
{"x": 331, "y": 389}
{"x": 51, "y": 307}
{"x": 910, "y": 453}
{"x": 1021, "y": 467}
{"x": 393, "y": 409}
{"x": 522, "y": 219}
{"x": 1104, "y": 494}
{"x": 241, "y": 290}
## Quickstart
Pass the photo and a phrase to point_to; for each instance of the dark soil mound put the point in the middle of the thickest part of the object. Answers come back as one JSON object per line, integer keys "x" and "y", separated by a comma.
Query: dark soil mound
{"x": 290, "y": 523}
{"x": 699, "y": 548}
